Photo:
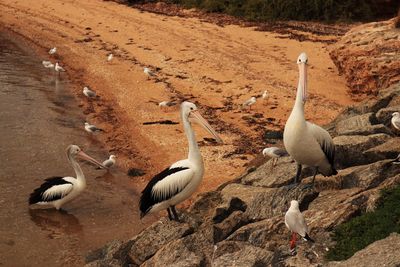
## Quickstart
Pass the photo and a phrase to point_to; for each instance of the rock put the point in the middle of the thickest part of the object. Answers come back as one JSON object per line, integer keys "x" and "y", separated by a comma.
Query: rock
{"x": 350, "y": 149}
{"x": 113, "y": 254}
{"x": 384, "y": 115}
{"x": 373, "y": 65}
{"x": 384, "y": 252}
{"x": 148, "y": 242}
{"x": 360, "y": 125}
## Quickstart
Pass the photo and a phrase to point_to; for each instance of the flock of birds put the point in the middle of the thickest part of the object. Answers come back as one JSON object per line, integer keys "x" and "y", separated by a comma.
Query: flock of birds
{"x": 306, "y": 143}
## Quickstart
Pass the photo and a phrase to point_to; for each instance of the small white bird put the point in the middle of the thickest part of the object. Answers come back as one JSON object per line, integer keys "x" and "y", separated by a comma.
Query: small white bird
{"x": 148, "y": 72}
{"x": 58, "y": 68}
{"x": 90, "y": 128}
{"x": 47, "y": 64}
{"x": 110, "y": 161}
{"x": 396, "y": 120}
{"x": 249, "y": 102}
{"x": 295, "y": 222}
{"x": 53, "y": 50}
{"x": 89, "y": 93}
{"x": 275, "y": 153}
{"x": 265, "y": 95}
{"x": 110, "y": 57}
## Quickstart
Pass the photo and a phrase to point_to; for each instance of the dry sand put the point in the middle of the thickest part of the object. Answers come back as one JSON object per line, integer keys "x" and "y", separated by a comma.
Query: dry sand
{"x": 217, "y": 67}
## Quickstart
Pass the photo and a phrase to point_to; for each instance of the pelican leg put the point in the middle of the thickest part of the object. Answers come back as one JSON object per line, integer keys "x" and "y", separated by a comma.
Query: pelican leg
{"x": 170, "y": 214}
{"x": 312, "y": 181}
{"x": 175, "y": 213}
{"x": 296, "y": 178}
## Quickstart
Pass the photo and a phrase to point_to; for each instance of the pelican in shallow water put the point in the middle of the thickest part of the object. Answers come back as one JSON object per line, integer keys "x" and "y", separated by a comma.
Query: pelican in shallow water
{"x": 307, "y": 143}
{"x": 47, "y": 64}
{"x": 57, "y": 191}
{"x": 58, "y": 68}
{"x": 179, "y": 181}
{"x": 295, "y": 222}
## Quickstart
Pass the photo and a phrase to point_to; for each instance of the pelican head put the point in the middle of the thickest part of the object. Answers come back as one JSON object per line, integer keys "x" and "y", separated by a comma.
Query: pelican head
{"x": 294, "y": 204}
{"x": 74, "y": 151}
{"x": 395, "y": 114}
{"x": 189, "y": 112}
{"x": 302, "y": 62}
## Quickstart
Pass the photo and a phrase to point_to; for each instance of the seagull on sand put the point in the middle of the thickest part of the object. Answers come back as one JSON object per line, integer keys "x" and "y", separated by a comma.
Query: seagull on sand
{"x": 294, "y": 221}
{"x": 90, "y": 128}
{"x": 265, "y": 95}
{"x": 307, "y": 143}
{"x": 249, "y": 102}
{"x": 108, "y": 163}
{"x": 396, "y": 120}
{"x": 47, "y": 64}
{"x": 110, "y": 57}
{"x": 148, "y": 72}
{"x": 275, "y": 153}
{"x": 89, "y": 93}
{"x": 58, "y": 68}
{"x": 53, "y": 50}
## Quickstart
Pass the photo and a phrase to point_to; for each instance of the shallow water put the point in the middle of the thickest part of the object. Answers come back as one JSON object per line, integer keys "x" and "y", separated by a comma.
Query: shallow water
{"x": 39, "y": 119}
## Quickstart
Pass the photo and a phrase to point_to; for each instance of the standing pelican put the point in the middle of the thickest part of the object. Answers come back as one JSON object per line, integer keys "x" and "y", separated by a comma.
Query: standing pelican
{"x": 294, "y": 221}
{"x": 307, "y": 143}
{"x": 57, "y": 191}
{"x": 179, "y": 181}
{"x": 58, "y": 68}
{"x": 396, "y": 120}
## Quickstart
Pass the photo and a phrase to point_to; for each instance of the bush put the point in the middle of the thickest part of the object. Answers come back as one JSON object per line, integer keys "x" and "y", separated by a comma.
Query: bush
{"x": 361, "y": 231}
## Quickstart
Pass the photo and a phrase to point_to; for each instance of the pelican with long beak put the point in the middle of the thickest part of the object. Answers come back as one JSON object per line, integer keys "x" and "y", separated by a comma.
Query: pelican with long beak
{"x": 56, "y": 191}
{"x": 307, "y": 143}
{"x": 179, "y": 181}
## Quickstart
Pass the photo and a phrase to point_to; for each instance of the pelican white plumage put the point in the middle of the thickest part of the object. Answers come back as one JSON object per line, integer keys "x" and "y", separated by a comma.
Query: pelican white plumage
{"x": 58, "y": 68}
{"x": 249, "y": 102}
{"x": 307, "y": 143}
{"x": 396, "y": 120}
{"x": 295, "y": 222}
{"x": 110, "y": 57}
{"x": 179, "y": 181}
{"x": 53, "y": 50}
{"x": 275, "y": 153}
{"x": 89, "y": 93}
{"x": 148, "y": 72}
{"x": 90, "y": 128}
{"x": 47, "y": 64}
{"x": 56, "y": 191}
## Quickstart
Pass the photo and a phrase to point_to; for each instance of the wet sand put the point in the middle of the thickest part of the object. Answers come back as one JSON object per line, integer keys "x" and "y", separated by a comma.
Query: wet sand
{"x": 40, "y": 118}
{"x": 216, "y": 67}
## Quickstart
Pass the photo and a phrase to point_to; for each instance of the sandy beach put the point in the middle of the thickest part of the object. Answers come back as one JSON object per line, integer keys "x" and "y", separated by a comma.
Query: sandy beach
{"x": 216, "y": 67}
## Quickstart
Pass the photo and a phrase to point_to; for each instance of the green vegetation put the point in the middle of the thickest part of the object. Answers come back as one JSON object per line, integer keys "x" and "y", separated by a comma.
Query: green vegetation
{"x": 322, "y": 10}
{"x": 369, "y": 227}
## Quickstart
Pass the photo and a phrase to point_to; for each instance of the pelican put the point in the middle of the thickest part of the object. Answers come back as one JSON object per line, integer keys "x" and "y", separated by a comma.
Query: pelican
{"x": 178, "y": 182}
{"x": 57, "y": 191}
{"x": 89, "y": 93}
{"x": 249, "y": 102}
{"x": 275, "y": 153}
{"x": 90, "y": 128}
{"x": 307, "y": 143}
{"x": 110, "y": 57}
{"x": 294, "y": 221}
{"x": 53, "y": 50}
{"x": 148, "y": 72}
{"x": 396, "y": 120}
{"x": 58, "y": 68}
{"x": 47, "y": 64}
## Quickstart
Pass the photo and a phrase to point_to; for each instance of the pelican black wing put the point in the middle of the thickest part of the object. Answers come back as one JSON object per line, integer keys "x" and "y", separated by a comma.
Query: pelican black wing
{"x": 37, "y": 195}
{"x": 147, "y": 199}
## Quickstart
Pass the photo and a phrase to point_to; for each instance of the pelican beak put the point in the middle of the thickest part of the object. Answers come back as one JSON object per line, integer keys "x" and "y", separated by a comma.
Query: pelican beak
{"x": 196, "y": 117}
{"x": 303, "y": 80}
{"x": 84, "y": 156}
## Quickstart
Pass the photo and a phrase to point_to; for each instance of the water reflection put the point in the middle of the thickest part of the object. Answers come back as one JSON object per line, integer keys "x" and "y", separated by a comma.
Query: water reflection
{"x": 56, "y": 222}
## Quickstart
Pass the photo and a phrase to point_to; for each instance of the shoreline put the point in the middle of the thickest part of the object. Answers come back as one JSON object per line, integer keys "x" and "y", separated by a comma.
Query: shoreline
{"x": 120, "y": 111}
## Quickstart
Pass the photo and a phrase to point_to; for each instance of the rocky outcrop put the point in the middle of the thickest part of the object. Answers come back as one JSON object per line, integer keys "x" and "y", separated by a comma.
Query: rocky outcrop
{"x": 368, "y": 56}
{"x": 241, "y": 223}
